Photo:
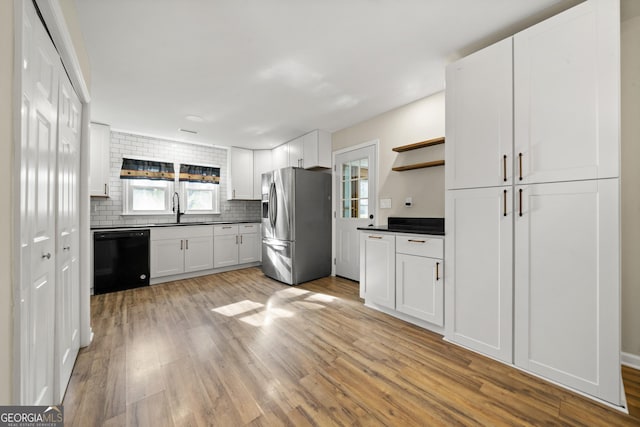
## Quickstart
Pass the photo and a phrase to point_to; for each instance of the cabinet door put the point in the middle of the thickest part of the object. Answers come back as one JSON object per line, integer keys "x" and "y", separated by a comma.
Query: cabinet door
{"x": 567, "y": 285}
{"x": 567, "y": 77}
{"x": 479, "y": 124}
{"x": 316, "y": 150}
{"x": 198, "y": 253}
{"x": 295, "y": 152}
{"x": 225, "y": 250}
{"x": 478, "y": 270}
{"x": 240, "y": 184}
{"x": 100, "y": 162}
{"x": 249, "y": 248}
{"x": 419, "y": 289}
{"x": 261, "y": 163}
{"x": 167, "y": 257}
{"x": 280, "y": 156}
{"x": 377, "y": 253}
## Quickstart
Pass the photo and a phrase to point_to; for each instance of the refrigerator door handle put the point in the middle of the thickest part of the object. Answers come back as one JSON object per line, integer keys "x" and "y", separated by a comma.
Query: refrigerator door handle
{"x": 273, "y": 205}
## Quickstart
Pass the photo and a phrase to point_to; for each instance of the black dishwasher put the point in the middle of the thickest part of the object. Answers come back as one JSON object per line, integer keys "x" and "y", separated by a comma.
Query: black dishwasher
{"x": 120, "y": 260}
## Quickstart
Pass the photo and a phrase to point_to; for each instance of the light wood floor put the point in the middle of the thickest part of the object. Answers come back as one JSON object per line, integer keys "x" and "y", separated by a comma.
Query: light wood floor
{"x": 237, "y": 349}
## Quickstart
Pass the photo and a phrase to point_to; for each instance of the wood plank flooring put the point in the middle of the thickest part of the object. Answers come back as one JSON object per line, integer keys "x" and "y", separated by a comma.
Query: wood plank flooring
{"x": 237, "y": 348}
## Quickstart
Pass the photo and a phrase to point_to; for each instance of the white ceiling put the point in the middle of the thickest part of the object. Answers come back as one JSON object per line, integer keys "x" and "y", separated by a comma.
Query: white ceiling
{"x": 261, "y": 72}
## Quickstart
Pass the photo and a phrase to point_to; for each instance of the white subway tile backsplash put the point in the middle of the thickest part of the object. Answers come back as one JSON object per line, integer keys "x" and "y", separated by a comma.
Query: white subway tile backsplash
{"x": 106, "y": 212}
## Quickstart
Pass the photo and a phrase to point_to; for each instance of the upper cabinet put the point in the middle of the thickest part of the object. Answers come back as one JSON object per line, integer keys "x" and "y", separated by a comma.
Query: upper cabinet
{"x": 99, "y": 140}
{"x": 310, "y": 151}
{"x": 280, "y": 156}
{"x": 479, "y": 125}
{"x": 566, "y": 86}
{"x": 262, "y": 162}
{"x": 316, "y": 150}
{"x": 240, "y": 179}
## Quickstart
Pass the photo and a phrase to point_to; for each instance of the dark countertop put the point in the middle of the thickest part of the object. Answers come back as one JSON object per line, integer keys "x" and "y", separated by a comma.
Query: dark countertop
{"x": 168, "y": 224}
{"x": 386, "y": 228}
{"x": 433, "y": 226}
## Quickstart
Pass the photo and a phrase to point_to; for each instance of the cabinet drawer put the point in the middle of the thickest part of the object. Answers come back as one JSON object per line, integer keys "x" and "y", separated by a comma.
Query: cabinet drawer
{"x": 225, "y": 229}
{"x": 419, "y": 245}
{"x": 248, "y": 228}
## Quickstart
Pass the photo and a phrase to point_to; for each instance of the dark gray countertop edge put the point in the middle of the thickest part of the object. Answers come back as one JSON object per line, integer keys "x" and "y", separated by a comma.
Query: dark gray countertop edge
{"x": 386, "y": 229}
{"x": 168, "y": 224}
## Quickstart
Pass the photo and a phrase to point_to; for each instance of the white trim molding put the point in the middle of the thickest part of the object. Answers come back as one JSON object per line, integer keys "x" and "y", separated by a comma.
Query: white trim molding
{"x": 631, "y": 360}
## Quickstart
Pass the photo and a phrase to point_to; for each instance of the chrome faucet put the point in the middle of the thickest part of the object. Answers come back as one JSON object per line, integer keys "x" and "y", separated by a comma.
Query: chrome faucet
{"x": 176, "y": 206}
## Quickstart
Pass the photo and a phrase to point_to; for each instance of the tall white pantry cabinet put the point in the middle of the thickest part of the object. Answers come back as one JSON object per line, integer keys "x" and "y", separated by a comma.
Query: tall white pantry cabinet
{"x": 532, "y": 204}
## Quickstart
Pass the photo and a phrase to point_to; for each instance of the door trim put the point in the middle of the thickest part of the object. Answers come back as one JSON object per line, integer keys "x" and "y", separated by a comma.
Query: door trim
{"x": 376, "y": 144}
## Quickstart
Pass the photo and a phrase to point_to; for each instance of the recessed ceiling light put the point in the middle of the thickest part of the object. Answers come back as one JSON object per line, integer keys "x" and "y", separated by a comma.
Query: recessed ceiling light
{"x": 194, "y": 118}
{"x": 188, "y": 131}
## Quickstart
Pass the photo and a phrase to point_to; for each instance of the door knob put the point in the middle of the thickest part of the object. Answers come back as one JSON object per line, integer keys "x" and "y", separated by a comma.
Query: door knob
{"x": 46, "y": 255}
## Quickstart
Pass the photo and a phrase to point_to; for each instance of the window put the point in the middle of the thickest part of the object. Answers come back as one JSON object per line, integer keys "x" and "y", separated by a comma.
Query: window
{"x": 147, "y": 197}
{"x": 355, "y": 189}
{"x": 200, "y": 188}
{"x": 201, "y": 197}
{"x": 147, "y": 186}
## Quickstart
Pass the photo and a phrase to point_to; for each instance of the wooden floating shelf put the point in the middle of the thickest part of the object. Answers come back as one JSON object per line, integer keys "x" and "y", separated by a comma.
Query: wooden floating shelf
{"x": 421, "y": 144}
{"x": 418, "y": 166}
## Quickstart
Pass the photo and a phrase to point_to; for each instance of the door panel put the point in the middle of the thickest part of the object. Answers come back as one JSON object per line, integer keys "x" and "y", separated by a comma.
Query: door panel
{"x": 198, "y": 253}
{"x": 567, "y": 96}
{"x": 419, "y": 289}
{"x": 479, "y": 119}
{"x": 566, "y": 285}
{"x": 378, "y": 276}
{"x": 282, "y": 199}
{"x": 478, "y": 270}
{"x": 280, "y": 263}
{"x": 356, "y": 200}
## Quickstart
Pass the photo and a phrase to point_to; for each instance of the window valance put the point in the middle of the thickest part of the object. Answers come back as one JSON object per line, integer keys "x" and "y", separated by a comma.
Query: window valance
{"x": 147, "y": 169}
{"x": 195, "y": 173}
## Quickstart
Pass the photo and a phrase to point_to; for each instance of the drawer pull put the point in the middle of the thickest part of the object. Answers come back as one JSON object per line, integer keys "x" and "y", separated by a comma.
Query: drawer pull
{"x": 375, "y": 237}
{"x": 417, "y": 241}
{"x": 437, "y": 271}
{"x": 226, "y": 228}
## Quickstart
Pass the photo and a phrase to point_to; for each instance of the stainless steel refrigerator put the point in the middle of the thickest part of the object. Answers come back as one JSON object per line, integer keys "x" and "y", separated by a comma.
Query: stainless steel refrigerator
{"x": 296, "y": 225}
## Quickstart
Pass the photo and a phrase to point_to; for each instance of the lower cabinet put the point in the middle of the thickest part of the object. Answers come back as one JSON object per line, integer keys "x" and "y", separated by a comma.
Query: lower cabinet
{"x": 403, "y": 273}
{"x": 419, "y": 285}
{"x": 377, "y": 268}
{"x": 235, "y": 244}
{"x": 176, "y": 250}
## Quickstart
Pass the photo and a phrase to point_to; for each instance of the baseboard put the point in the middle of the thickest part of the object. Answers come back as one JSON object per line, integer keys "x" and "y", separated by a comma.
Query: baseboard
{"x": 630, "y": 360}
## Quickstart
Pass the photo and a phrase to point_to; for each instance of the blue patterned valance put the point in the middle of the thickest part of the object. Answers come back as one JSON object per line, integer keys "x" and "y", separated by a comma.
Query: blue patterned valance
{"x": 195, "y": 173}
{"x": 147, "y": 169}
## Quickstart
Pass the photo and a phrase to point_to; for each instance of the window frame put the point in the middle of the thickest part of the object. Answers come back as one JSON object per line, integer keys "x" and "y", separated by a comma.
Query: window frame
{"x": 127, "y": 196}
{"x": 215, "y": 188}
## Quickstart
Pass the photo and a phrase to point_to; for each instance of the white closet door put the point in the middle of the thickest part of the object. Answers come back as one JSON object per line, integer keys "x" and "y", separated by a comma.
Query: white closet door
{"x": 40, "y": 73}
{"x": 567, "y": 95}
{"x": 67, "y": 230}
{"x": 566, "y": 284}
{"x": 478, "y": 270}
{"x": 479, "y": 118}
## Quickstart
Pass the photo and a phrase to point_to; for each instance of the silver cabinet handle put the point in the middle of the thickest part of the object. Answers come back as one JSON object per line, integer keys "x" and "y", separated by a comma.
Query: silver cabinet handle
{"x": 417, "y": 241}
{"x": 46, "y": 255}
{"x": 520, "y": 164}
{"x": 181, "y": 243}
{"x": 186, "y": 243}
{"x": 504, "y": 167}
{"x": 226, "y": 227}
{"x": 105, "y": 190}
{"x": 375, "y": 237}
{"x": 437, "y": 271}
{"x": 241, "y": 239}
{"x": 236, "y": 239}
{"x": 504, "y": 206}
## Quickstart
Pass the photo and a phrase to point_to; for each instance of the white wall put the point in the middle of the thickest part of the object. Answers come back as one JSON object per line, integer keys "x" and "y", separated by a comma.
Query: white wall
{"x": 418, "y": 121}
{"x": 6, "y": 184}
{"x": 631, "y": 184}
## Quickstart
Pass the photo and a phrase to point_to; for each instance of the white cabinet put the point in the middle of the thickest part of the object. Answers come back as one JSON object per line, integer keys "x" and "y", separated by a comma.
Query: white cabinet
{"x": 548, "y": 295}
{"x": 100, "y": 161}
{"x": 280, "y": 156}
{"x": 240, "y": 179}
{"x": 479, "y": 126}
{"x": 316, "y": 150}
{"x": 296, "y": 152}
{"x": 236, "y": 244}
{"x": 377, "y": 268}
{"x": 567, "y": 284}
{"x": 478, "y": 274}
{"x": 182, "y": 249}
{"x": 419, "y": 273}
{"x": 567, "y": 103}
{"x": 262, "y": 163}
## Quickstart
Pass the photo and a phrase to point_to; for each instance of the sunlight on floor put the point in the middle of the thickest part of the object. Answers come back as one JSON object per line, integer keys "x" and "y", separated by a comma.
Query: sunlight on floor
{"x": 237, "y": 308}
